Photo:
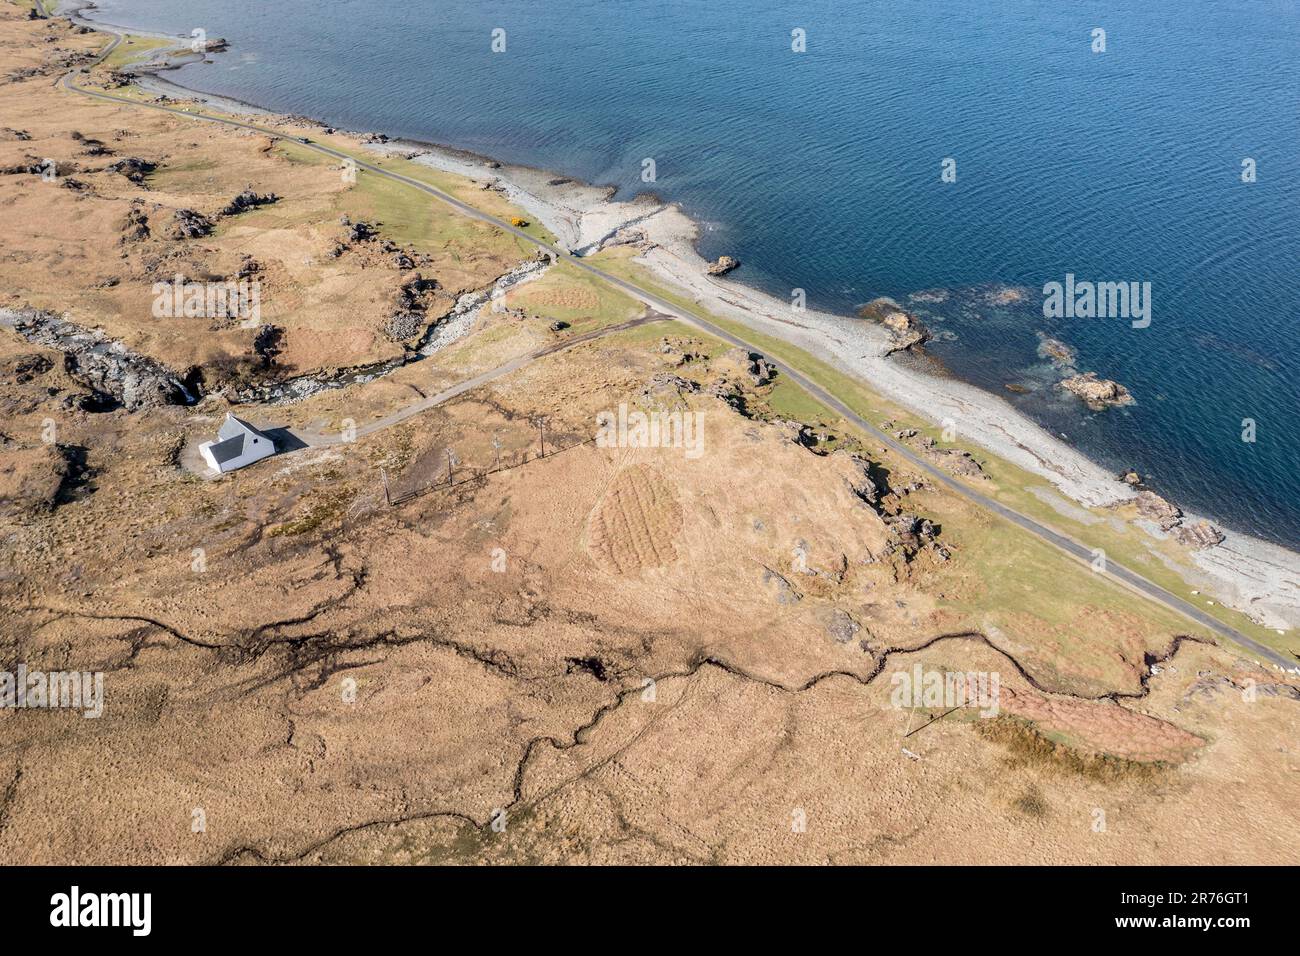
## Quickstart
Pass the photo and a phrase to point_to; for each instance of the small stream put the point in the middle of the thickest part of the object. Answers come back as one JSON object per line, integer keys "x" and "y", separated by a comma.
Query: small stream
{"x": 448, "y": 330}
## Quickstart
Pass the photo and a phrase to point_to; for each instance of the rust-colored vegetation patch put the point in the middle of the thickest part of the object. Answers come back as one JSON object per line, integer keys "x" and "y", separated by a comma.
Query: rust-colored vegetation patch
{"x": 1033, "y": 745}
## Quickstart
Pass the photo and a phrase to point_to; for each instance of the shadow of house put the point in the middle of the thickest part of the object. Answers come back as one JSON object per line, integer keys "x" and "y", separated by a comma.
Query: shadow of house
{"x": 285, "y": 440}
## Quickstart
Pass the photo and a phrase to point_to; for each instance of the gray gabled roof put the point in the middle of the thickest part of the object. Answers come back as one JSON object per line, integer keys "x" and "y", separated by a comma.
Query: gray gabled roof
{"x": 224, "y": 451}
{"x": 234, "y": 426}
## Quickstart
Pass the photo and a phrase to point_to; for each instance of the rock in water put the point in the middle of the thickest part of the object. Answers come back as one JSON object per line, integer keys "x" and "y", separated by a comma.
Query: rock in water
{"x": 907, "y": 331}
{"x": 724, "y": 265}
{"x": 1097, "y": 393}
{"x": 1056, "y": 351}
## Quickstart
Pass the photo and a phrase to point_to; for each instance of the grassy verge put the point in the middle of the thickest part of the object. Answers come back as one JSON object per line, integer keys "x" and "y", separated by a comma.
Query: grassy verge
{"x": 133, "y": 49}
{"x": 568, "y": 294}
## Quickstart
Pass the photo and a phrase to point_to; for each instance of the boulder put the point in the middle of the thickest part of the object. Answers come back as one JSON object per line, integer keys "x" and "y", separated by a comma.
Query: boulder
{"x": 723, "y": 265}
{"x": 760, "y": 370}
{"x": 1200, "y": 535}
{"x": 135, "y": 227}
{"x": 1097, "y": 393}
{"x": 188, "y": 224}
{"x": 905, "y": 329}
{"x": 248, "y": 200}
{"x": 133, "y": 168}
{"x": 360, "y": 231}
{"x": 1151, "y": 505}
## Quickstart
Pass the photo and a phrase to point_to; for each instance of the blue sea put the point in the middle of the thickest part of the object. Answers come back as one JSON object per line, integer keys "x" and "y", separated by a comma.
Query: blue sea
{"x": 821, "y": 170}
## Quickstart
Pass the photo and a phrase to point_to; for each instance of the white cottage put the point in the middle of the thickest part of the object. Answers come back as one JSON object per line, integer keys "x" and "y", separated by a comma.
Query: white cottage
{"x": 238, "y": 444}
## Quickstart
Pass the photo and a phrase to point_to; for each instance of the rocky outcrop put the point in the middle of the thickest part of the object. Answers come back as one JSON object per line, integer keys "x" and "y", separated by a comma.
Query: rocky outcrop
{"x": 248, "y": 200}
{"x": 958, "y": 461}
{"x": 665, "y": 384}
{"x": 101, "y": 364}
{"x": 1169, "y": 518}
{"x": 1097, "y": 393}
{"x": 135, "y": 227}
{"x": 409, "y": 316}
{"x": 188, "y": 224}
{"x": 797, "y": 433}
{"x": 32, "y": 167}
{"x": 909, "y": 534}
{"x": 359, "y": 231}
{"x": 133, "y": 168}
{"x": 1200, "y": 535}
{"x": 722, "y": 266}
{"x": 905, "y": 329}
{"x": 761, "y": 372}
{"x": 1162, "y": 512}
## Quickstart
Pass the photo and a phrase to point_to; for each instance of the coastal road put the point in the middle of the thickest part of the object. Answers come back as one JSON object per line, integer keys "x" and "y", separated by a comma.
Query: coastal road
{"x": 1074, "y": 549}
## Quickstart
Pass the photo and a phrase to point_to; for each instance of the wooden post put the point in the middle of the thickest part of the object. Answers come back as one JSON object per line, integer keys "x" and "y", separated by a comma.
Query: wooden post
{"x": 384, "y": 476}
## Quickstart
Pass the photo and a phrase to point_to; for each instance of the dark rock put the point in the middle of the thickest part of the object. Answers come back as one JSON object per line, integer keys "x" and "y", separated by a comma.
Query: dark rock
{"x": 761, "y": 372}
{"x": 135, "y": 227}
{"x": 133, "y": 168}
{"x": 188, "y": 224}
{"x": 21, "y": 369}
{"x": 267, "y": 344}
{"x": 248, "y": 200}
{"x": 360, "y": 231}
